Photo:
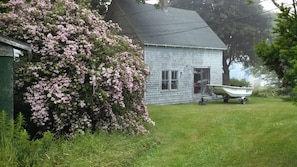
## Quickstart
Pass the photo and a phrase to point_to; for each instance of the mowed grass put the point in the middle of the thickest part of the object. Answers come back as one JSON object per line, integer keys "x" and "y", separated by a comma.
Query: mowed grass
{"x": 262, "y": 133}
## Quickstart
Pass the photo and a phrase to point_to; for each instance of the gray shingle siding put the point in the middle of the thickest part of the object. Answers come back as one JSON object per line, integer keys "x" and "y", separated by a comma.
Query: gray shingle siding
{"x": 184, "y": 60}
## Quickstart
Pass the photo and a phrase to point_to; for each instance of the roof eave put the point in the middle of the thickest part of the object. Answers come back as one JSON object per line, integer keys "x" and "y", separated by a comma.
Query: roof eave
{"x": 15, "y": 43}
{"x": 183, "y": 46}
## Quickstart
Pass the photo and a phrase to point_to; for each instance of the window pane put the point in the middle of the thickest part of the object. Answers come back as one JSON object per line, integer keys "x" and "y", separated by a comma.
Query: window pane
{"x": 173, "y": 84}
{"x": 164, "y": 84}
{"x": 164, "y": 75}
{"x": 174, "y": 80}
{"x": 165, "y": 80}
{"x": 174, "y": 75}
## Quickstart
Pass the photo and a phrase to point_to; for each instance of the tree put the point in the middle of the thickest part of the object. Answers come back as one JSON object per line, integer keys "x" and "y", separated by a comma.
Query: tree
{"x": 82, "y": 75}
{"x": 102, "y": 5}
{"x": 237, "y": 23}
{"x": 280, "y": 55}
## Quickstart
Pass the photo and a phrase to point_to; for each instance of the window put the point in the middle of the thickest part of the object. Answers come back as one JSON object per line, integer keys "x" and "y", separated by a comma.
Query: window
{"x": 201, "y": 79}
{"x": 165, "y": 80}
{"x": 169, "y": 81}
{"x": 174, "y": 80}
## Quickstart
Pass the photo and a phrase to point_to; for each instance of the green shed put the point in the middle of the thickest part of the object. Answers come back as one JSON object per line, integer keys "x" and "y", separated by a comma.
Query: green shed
{"x": 10, "y": 49}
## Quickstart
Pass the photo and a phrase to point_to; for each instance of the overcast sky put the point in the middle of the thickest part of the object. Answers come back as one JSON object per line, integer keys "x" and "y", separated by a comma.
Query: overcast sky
{"x": 267, "y": 4}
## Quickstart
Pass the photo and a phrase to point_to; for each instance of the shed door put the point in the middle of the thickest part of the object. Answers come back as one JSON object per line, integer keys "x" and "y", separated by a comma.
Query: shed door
{"x": 201, "y": 79}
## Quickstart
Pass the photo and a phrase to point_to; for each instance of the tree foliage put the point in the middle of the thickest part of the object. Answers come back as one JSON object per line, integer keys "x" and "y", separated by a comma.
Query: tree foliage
{"x": 240, "y": 83}
{"x": 280, "y": 55}
{"x": 82, "y": 75}
{"x": 236, "y": 22}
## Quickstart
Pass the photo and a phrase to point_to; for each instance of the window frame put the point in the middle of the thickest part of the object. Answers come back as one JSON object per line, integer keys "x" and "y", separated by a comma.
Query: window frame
{"x": 169, "y": 80}
{"x": 165, "y": 80}
{"x": 174, "y": 80}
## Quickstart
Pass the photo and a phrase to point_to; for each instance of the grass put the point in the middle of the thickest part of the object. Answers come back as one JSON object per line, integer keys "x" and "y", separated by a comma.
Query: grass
{"x": 262, "y": 133}
{"x": 97, "y": 150}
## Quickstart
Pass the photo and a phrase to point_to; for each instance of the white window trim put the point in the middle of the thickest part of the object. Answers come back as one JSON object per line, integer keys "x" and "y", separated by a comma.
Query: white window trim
{"x": 170, "y": 80}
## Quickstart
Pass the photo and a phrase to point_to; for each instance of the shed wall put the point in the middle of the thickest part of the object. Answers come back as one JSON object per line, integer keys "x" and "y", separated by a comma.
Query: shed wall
{"x": 183, "y": 60}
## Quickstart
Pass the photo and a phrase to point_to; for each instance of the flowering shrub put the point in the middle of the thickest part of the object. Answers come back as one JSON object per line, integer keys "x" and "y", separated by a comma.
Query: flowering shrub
{"x": 81, "y": 74}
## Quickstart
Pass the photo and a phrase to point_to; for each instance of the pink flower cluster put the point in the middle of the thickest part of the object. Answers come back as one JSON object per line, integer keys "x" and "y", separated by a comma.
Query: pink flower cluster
{"x": 82, "y": 75}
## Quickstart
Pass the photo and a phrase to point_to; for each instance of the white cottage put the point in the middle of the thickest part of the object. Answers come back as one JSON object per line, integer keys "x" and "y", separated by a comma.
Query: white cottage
{"x": 182, "y": 51}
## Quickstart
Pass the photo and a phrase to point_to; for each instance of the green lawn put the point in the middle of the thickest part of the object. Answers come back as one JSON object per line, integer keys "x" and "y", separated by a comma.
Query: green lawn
{"x": 261, "y": 133}
{"x": 258, "y": 134}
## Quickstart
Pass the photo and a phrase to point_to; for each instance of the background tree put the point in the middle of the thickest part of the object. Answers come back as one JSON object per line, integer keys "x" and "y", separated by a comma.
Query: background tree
{"x": 82, "y": 75}
{"x": 100, "y": 5}
{"x": 280, "y": 55}
{"x": 237, "y": 23}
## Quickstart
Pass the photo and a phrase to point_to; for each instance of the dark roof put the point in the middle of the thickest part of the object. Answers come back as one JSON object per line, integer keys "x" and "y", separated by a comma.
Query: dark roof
{"x": 170, "y": 27}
